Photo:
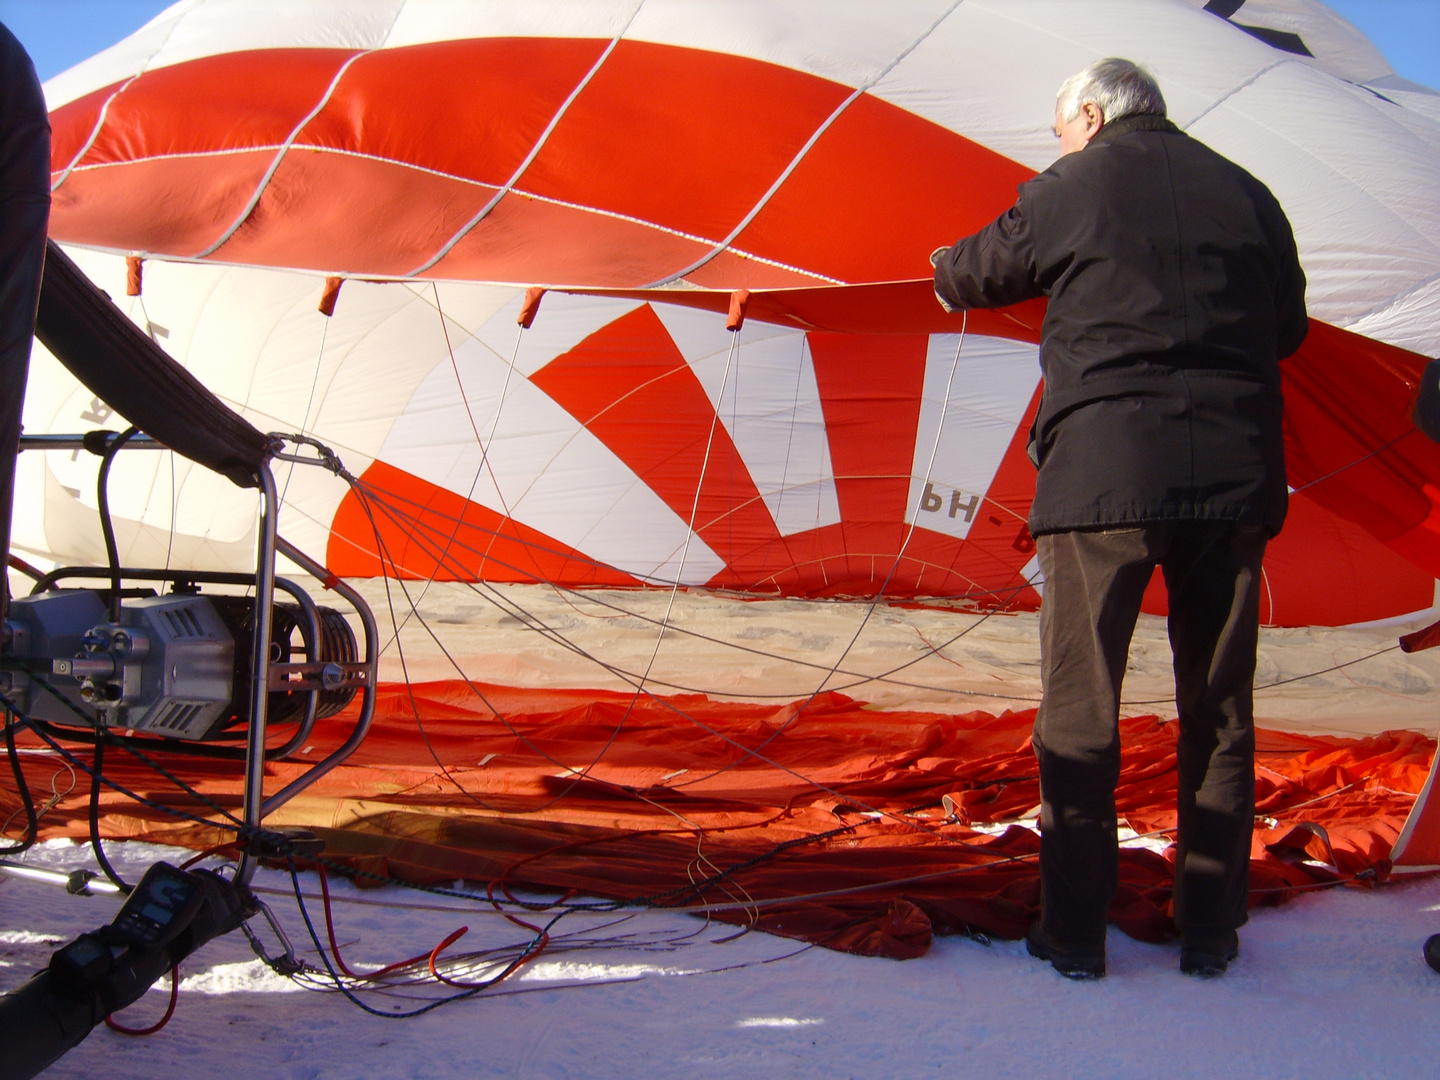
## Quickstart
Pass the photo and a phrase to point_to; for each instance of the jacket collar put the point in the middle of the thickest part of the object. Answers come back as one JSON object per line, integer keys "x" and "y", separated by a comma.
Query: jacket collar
{"x": 1135, "y": 122}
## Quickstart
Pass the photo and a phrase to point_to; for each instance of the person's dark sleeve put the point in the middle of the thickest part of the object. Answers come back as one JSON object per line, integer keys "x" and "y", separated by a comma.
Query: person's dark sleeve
{"x": 992, "y": 268}
{"x": 1291, "y": 321}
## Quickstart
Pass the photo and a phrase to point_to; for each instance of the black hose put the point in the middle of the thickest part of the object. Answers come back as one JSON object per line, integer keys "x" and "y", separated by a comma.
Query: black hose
{"x": 107, "y": 527}
{"x": 98, "y": 766}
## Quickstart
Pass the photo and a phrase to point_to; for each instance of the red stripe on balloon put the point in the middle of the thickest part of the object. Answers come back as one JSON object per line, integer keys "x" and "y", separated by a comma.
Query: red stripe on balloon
{"x": 629, "y": 386}
{"x": 1325, "y": 571}
{"x": 323, "y": 195}
{"x": 425, "y": 531}
{"x": 683, "y": 137}
{"x": 877, "y": 192}
{"x": 175, "y": 206}
{"x": 229, "y": 101}
{"x": 731, "y": 270}
{"x": 870, "y": 389}
{"x": 525, "y": 240}
{"x": 72, "y": 124}
{"x": 1349, "y": 433}
{"x": 687, "y": 142}
{"x": 471, "y": 108}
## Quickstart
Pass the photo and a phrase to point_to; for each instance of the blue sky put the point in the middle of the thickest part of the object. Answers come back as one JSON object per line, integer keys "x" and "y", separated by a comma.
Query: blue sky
{"x": 60, "y": 33}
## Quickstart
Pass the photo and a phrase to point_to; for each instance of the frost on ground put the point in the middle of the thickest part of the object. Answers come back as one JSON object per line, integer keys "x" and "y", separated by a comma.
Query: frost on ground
{"x": 1330, "y": 985}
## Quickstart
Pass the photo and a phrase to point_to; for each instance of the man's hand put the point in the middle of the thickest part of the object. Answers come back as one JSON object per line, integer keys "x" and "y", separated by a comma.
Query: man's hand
{"x": 936, "y": 257}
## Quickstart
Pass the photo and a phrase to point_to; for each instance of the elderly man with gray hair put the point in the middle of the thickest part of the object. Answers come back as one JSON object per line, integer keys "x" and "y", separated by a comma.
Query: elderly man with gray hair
{"x": 1173, "y": 291}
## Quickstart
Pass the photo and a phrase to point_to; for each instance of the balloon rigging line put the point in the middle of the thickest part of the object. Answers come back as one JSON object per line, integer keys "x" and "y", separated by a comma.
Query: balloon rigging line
{"x": 1357, "y": 461}
{"x": 790, "y": 442}
{"x": 639, "y": 690}
{"x": 174, "y": 492}
{"x": 416, "y": 524}
{"x": 566, "y": 769}
{"x": 665, "y": 624}
{"x": 615, "y": 905}
{"x": 384, "y": 554}
{"x": 694, "y": 505}
{"x": 484, "y": 464}
{"x": 397, "y": 499}
{"x": 880, "y": 593}
{"x": 750, "y": 904}
{"x": 860, "y": 677}
{"x": 484, "y": 443}
{"x": 538, "y": 625}
{"x": 675, "y": 588}
{"x": 576, "y": 776}
{"x": 1292, "y": 678}
{"x": 234, "y": 825}
{"x": 309, "y": 402}
{"x": 544, "y": 136}
{"x": 630, "y": 677}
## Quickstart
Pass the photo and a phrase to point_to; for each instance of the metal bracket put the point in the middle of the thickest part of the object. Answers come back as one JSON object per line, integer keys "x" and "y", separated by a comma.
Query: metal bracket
{"x": 320, "y": 676}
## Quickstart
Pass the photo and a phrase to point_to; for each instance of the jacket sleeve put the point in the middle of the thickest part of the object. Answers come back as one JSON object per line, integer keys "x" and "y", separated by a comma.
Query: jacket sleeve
{"x": 992, "y": 268}
{"x": 1292, "y": 323}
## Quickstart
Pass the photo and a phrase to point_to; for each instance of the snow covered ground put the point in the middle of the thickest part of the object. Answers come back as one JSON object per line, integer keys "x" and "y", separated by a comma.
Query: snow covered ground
{"x": 1330, "y": 985}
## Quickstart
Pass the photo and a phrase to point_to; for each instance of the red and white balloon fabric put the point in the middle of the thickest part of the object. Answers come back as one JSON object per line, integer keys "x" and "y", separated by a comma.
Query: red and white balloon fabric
{"x": 644, "y": 162}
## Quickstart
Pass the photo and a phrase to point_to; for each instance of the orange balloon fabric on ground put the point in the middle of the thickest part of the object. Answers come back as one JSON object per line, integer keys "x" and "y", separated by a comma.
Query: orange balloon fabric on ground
{"x": 822, "y": 820}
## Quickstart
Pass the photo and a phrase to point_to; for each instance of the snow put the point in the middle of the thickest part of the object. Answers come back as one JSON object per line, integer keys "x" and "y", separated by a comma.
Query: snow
{"x": 1330, "y": 985}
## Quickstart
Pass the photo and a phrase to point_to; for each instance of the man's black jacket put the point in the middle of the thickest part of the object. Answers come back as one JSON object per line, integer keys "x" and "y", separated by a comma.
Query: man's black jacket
{"x": 1174, "y": 291}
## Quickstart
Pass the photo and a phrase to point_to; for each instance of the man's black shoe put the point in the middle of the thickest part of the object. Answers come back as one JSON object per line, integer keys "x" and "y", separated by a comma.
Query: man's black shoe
{"x": 1208, "y": 954}
{"x": 1072, "y": 961}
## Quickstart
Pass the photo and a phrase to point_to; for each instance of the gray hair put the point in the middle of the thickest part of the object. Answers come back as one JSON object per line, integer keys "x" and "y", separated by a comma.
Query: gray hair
{"x": 1117, "y": 87}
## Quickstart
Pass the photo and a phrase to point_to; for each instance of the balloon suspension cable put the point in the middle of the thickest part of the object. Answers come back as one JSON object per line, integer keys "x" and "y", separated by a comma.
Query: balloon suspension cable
{"x": 612, "y": 906}
{"x": 637, "y": 681}
{"x": 644, "y": 679}
{"x": 174, "y": 486}
{"x": 663, "y": 899}
{"x": 413, "y": 528}
{"x": 1350, "y": 465}
{"x": 324, "y": 457}
{"x": 314, "y": 385}
{"x": 526, "y": 318}
{"x": 640, "y": 684}
{"x": 576, "y": 775}
{"x": 523, "y": 323}
{"x": 628, "y": 677}
{"x": 879, "y": 594}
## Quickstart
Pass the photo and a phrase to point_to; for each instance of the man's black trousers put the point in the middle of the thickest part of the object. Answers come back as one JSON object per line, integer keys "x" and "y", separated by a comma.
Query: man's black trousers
{"x": 1094, "y": 582}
